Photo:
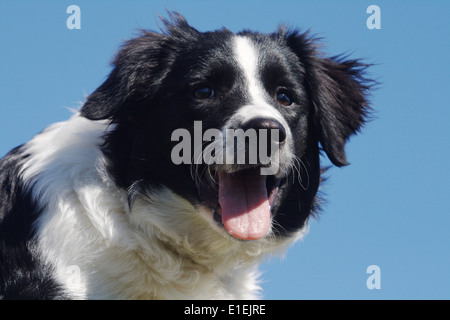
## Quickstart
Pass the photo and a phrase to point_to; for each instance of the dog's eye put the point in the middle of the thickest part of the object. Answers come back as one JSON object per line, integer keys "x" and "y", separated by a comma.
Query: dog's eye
{"x": 284, "y": 99}
{"x": 204, "y": 93}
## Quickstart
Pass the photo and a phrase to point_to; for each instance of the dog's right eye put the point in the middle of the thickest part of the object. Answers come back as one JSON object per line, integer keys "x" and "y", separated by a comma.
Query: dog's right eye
{"x": 204, "y": 93}
{"x": 284, "y": 99}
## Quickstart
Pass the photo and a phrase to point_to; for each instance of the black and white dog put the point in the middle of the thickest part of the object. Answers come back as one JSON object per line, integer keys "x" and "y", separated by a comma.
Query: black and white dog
{"x": 107, "y": 203}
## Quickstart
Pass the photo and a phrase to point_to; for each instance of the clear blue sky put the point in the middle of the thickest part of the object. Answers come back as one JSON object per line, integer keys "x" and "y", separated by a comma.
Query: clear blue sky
{"x": 390, "y": 207}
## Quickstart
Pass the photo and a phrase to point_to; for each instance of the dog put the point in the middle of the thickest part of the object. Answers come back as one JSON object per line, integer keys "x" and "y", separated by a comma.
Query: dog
{"x": 118, "y": 203}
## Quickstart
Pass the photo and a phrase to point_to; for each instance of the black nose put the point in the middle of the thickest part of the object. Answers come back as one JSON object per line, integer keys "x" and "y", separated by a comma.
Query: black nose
{"x": 265, "y": 123}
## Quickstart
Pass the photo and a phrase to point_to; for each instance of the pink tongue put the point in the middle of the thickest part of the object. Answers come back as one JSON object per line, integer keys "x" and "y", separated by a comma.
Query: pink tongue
{"x": 245, "y": 205}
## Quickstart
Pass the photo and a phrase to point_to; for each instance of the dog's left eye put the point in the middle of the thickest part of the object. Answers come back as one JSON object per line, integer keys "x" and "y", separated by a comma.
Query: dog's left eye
{"x": 284, "y": 99}
{"x": 204, "y": 93}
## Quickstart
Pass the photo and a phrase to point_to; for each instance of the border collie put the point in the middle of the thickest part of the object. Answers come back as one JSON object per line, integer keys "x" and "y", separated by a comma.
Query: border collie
{"x": 108, "y": 205}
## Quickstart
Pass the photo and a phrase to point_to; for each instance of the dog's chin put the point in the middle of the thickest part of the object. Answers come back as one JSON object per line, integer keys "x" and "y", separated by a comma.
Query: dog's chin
{"x": 240, "y": 200}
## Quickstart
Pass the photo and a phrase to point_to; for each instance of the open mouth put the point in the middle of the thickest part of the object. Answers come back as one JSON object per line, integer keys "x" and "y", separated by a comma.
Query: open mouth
{"x": 241, "y": 201}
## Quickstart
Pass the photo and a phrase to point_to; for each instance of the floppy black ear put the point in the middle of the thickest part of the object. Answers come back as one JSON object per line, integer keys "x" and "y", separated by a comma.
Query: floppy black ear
{"x": 339, "y": 94}
{"x": 138, "y": 69}
{"x": 338, "y": 91}
{"x": 134, "y": 71}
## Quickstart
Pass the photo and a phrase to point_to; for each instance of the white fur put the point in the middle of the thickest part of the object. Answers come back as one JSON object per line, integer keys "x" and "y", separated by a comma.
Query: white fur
{"x": 161, "y": 248}
{"x": 247, "y": 57}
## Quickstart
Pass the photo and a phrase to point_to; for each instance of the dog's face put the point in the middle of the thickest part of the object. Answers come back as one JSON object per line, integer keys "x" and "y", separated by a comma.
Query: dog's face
{"x": 230, "y": 122}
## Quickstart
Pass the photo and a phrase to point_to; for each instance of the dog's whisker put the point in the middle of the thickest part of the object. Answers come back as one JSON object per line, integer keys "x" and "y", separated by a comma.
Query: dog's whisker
{"x": 307, "y": 176}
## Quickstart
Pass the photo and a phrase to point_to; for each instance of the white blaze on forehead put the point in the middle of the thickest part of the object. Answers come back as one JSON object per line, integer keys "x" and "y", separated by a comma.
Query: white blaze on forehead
{"x": 247, "y": 57}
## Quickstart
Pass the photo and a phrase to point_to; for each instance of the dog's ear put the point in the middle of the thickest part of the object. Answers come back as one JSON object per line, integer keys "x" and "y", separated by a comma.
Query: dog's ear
{"x": 138, "y": 69}
{"x": 338, "y": 92}
{"x": 134, "y": 69}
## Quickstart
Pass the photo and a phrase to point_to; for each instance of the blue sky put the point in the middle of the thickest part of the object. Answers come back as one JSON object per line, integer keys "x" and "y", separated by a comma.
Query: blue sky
{"x": 390, "y": 207}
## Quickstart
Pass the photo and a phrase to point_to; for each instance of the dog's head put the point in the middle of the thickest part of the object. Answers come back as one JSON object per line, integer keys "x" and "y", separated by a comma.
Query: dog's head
{"x": 233, "y": 123}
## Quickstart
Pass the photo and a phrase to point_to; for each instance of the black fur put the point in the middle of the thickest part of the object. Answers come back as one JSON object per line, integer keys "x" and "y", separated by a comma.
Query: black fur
{"x": 22, "y": 274}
